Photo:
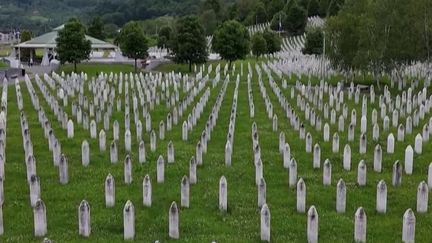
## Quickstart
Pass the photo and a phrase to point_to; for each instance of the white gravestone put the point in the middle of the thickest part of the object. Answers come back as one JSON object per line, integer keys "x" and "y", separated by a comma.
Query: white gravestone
{"x": 301, "y": 196}
{"x": 292, "y": 173}
{"x": 184, "y": 191}
{"x": 340, "y": 196}
{"x": 262, "y": 193}
{"x": 128, "y": 221}
{"x": 223, "y": 194}
{"x": 397, "y": 174}
{"x": 347, "y": 158}
{"x": 128, "y": 170}
{"x": 409, "y": 160}
{"x": 160, "y": 164}
{"x": 327, "y": 171}
{"x": 317, "y": 157}
{"x": 85, "y": 153}
{"x": 265, "y": 223}
{"x": 40, "y": 219}
{"x": 84, "y": 223}
{"x": 147, "y": 191}
{"x": 408, "y": 226}
{"x": 361, "y": 173}
{"x": 63, "y": 170}
{"x": 381, "y": 197}
{"x": 173, "y": 221}
{"x": 109, "y": 191}
{"x": 422, "y": 197}
{"x": 360, "y": 225}
{"x": 312, "y": 225}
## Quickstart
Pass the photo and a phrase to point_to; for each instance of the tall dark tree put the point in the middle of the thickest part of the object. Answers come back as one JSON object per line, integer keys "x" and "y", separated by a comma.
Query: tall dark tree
{"x": 379, "y": 36}
{"x": 278, "y": 21}
{"x": 72, "y": 45}
{"x": 164, "y": 37}
{"x": 329, "y": 8}
{"x": 189, "y": 42}
{"x": 313, "y": 8}
{"x": 273, "y": 41}
{"x": 133, "y": 42}
{"x": 314, "y": 42}
{"x": 214, "y": 5}
{"x": 25, "y": 53}
{"x": 258, "y": 45}
{"x": 209, "y": 20}
{"x": 111, "y": 31}
{"x": 296, "y": 19}
{"x": 231, "y": 40}
{"x": 275, "y": 6}
{"x": 96, "y": 28}
{"x": 260, "y": 13}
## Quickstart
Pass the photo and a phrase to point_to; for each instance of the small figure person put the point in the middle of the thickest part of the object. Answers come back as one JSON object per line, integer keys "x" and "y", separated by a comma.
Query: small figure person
{"x": 31, "y": 62}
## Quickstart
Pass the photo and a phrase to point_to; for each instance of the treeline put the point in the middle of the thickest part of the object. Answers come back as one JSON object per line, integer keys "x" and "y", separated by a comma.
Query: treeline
{"x": 42, "y": 15}
{"x": 380, "y": 35}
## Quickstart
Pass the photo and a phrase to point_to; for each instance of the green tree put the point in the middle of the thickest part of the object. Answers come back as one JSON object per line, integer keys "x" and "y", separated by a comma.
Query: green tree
{"x": 25, "y": 53}
{"x": 278, "y": 21}
{"x": 245, "y": 8}
{"x": 111, "y": 30}
{"x": 275, "y": 6}
{"x": 258, "y": 45}
{"x": 329, "y": 8}
{"x": 313, "y": 7}
{"x": 296, "y": 19}
{"x": 314, "y": 42}
{"x": 164, "y": 37}
{"x": 260, "y": 13}
{"x": 273, "y": 41}
{"x": 231, "y": 40}
{"x": 379, "y": 36}
{"x": 133, "y": 42}
{"x": 209, "y": 21}
{"x": 214, "y": 5}
{"x": 72, "y": 45}
{"x": 96, "y": 28}
{"x": 189, "y": 42}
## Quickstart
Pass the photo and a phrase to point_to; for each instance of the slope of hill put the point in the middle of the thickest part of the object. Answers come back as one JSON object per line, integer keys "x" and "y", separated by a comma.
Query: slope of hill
{"x": 42, "y": 15}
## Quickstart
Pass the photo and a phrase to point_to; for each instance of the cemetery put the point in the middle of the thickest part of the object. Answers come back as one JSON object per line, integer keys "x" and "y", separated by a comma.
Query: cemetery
{"x": 278, "y": 146}
{"x": 205, "y": 150}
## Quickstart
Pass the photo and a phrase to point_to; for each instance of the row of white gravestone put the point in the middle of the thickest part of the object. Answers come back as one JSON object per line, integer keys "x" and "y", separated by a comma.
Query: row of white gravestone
{"x": 59, "y": 159}
{"x": 377, "y": 157}
{"x": 418, "y": 143}
{"x": 173, "y": 233}
{"x": 361, "y": 180}
{"x": 54, "y": 144}
{"x": 333, "y": 113}
{"x": 231, "y": 127}
{"x": 129, "y": 221}
{"x": 250, "y": 94}
{"x": 107, "y": 122}
{"x": 360, "y": 225}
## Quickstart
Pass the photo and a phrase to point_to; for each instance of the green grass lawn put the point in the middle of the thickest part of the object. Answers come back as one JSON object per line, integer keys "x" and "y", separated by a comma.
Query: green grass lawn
{"x": 203, "y": 222}
{"x": 5, "y": 51}
{"x": 3, "y": 64}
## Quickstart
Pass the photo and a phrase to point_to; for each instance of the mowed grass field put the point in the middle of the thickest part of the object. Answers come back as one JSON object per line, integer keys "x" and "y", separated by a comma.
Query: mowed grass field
{"x": 203, "y": 222}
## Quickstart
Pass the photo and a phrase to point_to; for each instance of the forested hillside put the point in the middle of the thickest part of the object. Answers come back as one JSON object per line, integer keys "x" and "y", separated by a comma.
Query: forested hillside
{"x": 42, "y": 15}
{"x": 39, "y": 15}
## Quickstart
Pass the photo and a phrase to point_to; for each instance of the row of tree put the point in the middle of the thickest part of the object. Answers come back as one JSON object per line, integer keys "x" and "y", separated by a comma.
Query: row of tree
{"x": 288, "y": 17}
{"x": 380, "y": 35}
{"x": 187, "y": 42}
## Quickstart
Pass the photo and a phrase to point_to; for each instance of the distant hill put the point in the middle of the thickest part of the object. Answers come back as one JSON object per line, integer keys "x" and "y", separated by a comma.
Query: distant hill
{"x": 42, "y": 15}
